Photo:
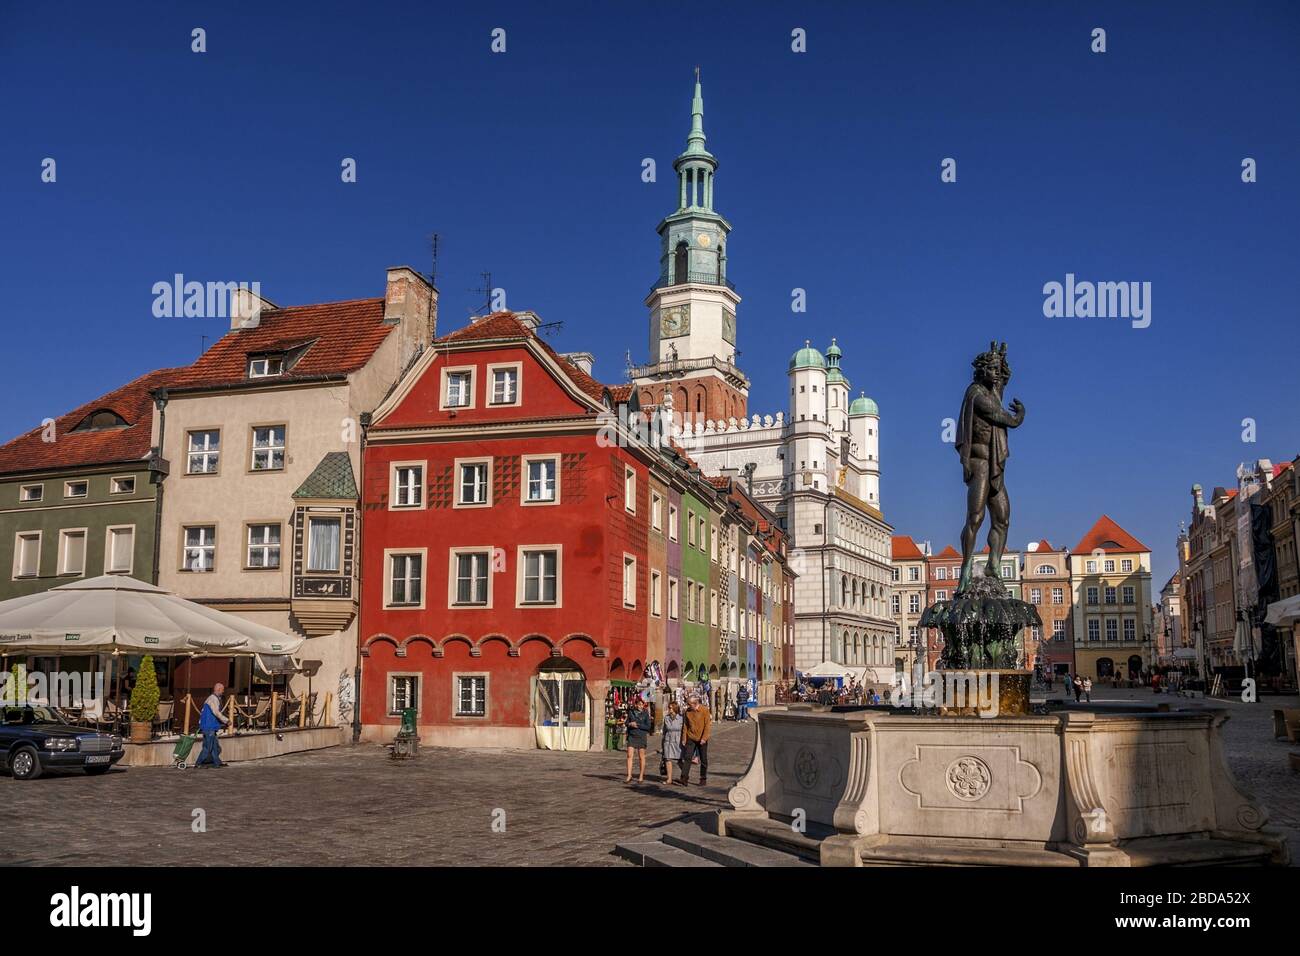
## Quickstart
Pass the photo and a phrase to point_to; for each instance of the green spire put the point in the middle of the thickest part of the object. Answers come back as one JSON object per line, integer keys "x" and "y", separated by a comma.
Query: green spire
{"x": 695, "y": 141}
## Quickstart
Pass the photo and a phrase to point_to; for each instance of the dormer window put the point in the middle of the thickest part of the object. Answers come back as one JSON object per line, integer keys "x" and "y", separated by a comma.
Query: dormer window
{"x": 103, "y": 418}
{"x": 265, "y": 366}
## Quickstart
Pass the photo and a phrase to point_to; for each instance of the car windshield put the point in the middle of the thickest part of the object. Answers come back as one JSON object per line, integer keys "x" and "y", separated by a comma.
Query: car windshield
{"x": 32, "y": 715}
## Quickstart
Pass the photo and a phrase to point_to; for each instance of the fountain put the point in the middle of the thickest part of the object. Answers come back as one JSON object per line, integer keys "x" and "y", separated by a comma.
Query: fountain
{"x": 996, "y": 780}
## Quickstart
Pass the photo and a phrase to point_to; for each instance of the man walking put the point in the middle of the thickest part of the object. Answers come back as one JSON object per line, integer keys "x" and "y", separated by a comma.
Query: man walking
{"x": 1087, "y": 688}
{"x": 210, "y": 721}
{"x": 742, "y": 702}
{"x": 698, "y": 724}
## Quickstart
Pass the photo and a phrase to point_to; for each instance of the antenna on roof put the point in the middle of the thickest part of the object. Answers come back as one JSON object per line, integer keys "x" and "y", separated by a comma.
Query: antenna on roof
{"x": 486, "y": 292}
{"x": 549, "y": 327}
{"x": 203, "y": 346}
{"x": 433, "y": 258}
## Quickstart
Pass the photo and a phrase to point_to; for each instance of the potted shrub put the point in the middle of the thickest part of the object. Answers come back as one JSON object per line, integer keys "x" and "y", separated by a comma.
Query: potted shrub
{"x": 144, "y": 703}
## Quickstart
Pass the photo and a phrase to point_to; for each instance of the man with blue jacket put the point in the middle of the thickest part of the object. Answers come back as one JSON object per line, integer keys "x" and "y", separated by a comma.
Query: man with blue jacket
{"x": 210, "y": 721}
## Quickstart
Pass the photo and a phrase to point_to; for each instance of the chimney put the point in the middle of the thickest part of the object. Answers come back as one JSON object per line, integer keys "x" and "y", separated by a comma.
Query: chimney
{"x": 584, "y": 360}
{"x": 1198, "y": 499}
{"x": 411, "y": 302}
{"x": 246, "y": 306}
{"x": 529, "y": 320}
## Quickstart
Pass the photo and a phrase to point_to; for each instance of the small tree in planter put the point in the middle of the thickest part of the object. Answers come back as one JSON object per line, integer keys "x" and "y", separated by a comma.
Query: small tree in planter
{"x": 144, "y": 702}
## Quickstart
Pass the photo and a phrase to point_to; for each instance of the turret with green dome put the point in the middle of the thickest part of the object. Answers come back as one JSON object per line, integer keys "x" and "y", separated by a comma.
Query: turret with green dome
{"x": 834, "y": 376}
{"x": 863, "y": 406}
{"x": 807, "y": 357}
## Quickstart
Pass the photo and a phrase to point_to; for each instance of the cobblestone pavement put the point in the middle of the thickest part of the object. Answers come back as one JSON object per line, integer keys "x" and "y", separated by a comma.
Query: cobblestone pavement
{"x": 352, "y": 805}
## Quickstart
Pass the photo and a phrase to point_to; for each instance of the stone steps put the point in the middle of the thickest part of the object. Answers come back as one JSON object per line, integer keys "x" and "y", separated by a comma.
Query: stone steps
{"x": 689, "y": 844}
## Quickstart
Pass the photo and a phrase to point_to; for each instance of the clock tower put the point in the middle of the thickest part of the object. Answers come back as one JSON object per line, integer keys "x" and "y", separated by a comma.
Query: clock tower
{"x": 693, "y": 303}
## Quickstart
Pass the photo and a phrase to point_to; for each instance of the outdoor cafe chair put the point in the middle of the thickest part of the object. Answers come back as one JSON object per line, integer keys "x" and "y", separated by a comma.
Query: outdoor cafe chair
{"x": 162, "y": 723}
{"x": 257, "y": 715}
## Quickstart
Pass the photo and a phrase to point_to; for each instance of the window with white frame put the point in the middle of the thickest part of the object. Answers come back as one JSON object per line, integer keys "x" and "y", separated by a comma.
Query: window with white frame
{"x": 1035, "y": 595}
{"x": 702, "y": 534}
{"x": 405, "y": 579}
{"x": 263, "y": 546}
{"x": 1126, "y": 565}
{"x": 1045, "y": 569}
{"x": 1091, "y": 567}
{"x": 72, "y": 551}
{"x": 264, "y": 366}
{"x": 505, "y": 385}
{"x": 31, "y": 493}
{"x": 1112, "y": 629}
{"x": 629, "y": 490}
{"x": 27, "y": 554}
{"x": 941, "y": 595}
{"x": 1008, "y": 572}
{"x": 542, "y": 486}
{"x": 541, "y": 568}
{"x": 1058, "y": 595}
{"x": 203, "y": 452}
{"x": 472, "y": 487}
{"x": 914, "y": 604}
{"x": 1094, "y": 595}
{"x": 119, "y": 549}
{"x": 713, "y": 544}
{"x": 895, "y": 601}
{"x": 408, "y": 486}
{"x": 122, "y": 485}
{"x": 656, "y": 511}
{"x": 941, "y": 574}
{"x": 324, "y": 544}
{"x": 656, "y": 597}
{"x": 1108, "y": 565}
{"x": 629, "y": 581}
{"x": 1094, "y": 629}
{"x": 471, "y": 695}
{"x": 1058, "y": 629}
{"x": 403, "y": 692}
{"x": 459, "y": 393}
{"x": 1130, "y": 629}
{"x": 690, "y": 528}
{"x": 713, "y": 608}
{"x": 673, "y": 606}
{"x": 200, "y": 551}
{"x": 672, "y": 522}
{"x": 1128, "y": 594}
{"x": 914, "y": 573}
{"x": 1110, "y": 594}
{"x": 76, "y": 489}
{"x": 470, "y": 582}
{"x": 268, "y": 448}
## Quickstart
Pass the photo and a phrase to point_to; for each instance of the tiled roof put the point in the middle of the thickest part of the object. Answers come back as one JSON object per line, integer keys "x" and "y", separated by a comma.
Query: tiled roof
{"x": 332, "y": 478}
{"x": 72, "y": 449}
{"x": 504, "y": 325}
{"x": 621, "y": 393}
{"x": 340, "y": 337}
{"x": 1106, "y": 535}
{"x": 949, "y": 552}
{"x": 1043, "y": 546}
{"x": 905, "y": 549}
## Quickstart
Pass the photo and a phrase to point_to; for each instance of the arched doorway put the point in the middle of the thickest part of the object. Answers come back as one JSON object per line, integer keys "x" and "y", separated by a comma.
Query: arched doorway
{"x": 1105, "y": 667}
{"x": 679, "y": 263}
{"x": 1134, "y": 667}
{"x": 561, "y": 706}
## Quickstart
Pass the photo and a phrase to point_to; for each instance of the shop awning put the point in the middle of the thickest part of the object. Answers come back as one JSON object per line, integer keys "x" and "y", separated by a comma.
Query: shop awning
{"x": 116, "y": 612}
{"x": 1284, "y": 612}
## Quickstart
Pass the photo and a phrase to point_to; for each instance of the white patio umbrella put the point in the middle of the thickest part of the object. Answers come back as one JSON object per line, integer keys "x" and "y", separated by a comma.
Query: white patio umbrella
{"x": 111, "y": 612}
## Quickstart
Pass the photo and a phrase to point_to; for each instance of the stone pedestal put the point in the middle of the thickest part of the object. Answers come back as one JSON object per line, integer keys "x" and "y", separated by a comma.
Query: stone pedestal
{"x": 1069, "y": 788}
{"x": 1013, "y": 688}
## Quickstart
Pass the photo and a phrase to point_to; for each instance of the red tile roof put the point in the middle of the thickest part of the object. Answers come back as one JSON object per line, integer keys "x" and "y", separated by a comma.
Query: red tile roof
{"x": 905, "y": 549}
{"x": 73, "y": 449}
{"x": 505, "y": 325}
{"x": 1043, "y": 546}
{"x": 949, "y": 552}
{"x": 1106, "y": 535}
{"x": 342, "y": 336}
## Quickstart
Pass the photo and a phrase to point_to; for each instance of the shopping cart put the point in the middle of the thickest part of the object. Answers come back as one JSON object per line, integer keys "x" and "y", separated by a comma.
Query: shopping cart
{"x": 181, "y": 752}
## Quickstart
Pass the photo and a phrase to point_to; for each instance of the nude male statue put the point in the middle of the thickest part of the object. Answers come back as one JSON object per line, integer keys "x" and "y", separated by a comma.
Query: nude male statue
{"x": 982, "y": 446}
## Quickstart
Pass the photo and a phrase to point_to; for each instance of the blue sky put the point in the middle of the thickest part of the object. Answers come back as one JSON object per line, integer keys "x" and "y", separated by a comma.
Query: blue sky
{"x": 1122, "y": 166}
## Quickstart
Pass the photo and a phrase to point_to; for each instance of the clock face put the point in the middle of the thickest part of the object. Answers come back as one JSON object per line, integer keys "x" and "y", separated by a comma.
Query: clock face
{"x": 729, "y": 327}
{"x": 704, "y": 240}
{"x": 675, "y": 321}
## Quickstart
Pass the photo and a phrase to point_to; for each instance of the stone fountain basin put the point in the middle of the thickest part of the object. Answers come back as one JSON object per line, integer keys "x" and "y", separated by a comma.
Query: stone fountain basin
{"x": 1075, "y": 785}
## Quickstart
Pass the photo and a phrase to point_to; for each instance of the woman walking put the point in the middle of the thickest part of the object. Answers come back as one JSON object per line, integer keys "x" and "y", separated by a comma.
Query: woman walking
{"x": 638, "y": 734}
{"x": 672, "y": 741}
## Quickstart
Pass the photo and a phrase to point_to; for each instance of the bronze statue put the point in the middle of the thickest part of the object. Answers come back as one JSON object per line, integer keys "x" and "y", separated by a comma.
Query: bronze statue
{"x": 982, "y": 445}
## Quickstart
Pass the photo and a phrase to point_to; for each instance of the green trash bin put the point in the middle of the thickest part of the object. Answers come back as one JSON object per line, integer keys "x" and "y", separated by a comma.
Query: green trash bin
{"x": 408, "y": 722}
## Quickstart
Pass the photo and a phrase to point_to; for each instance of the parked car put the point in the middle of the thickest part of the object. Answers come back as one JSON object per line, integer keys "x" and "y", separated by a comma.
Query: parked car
{"x": 34, "y": 739}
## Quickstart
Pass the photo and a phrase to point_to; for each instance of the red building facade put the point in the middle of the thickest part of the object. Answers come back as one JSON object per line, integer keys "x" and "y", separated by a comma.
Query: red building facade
{"x": 504, "y": 551}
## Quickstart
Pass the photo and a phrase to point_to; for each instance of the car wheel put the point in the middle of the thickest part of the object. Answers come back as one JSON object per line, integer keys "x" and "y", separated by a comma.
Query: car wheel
{"x": 25, "y": 763}
{"x": 96, "y": 771}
